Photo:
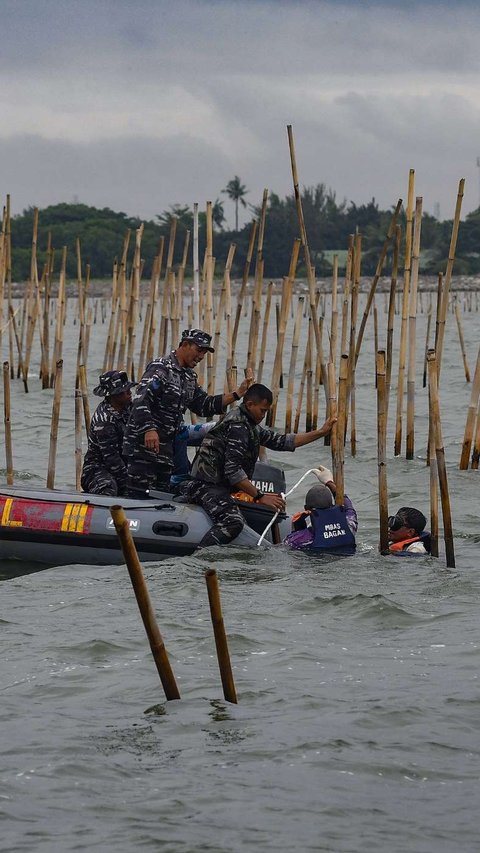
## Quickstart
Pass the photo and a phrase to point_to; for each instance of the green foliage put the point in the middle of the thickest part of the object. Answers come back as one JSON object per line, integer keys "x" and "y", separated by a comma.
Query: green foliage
{"x": 329, "y": 223}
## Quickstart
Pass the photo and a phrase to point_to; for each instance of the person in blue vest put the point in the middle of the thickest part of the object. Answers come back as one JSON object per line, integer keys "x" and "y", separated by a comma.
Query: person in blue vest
{"x": 406, "y": 532}
{"x": 189, "y": 435}
{"x": 323, "y": 527}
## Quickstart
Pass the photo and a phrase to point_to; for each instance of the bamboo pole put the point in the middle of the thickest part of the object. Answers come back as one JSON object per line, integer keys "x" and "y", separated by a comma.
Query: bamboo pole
{"x": 243, "y": 288}
{"x": 403, "y": 327}
{"x": 78, "y": 438}
{"x": 471, "y": 415}
{"x": 222, "y": 303}
{"x": 7, "y": 423}
{"x": 440, "y": 456}
{"x": 476, "y": 447}
{"x": 427, "y": 346}
{"x": 340, "y": 429}
{"x": 378, "y": 272}
{"x": 462, "y": 343}
{"x": 82, "y": 381}
{"x": 412, "y": 331}
{"x": 282, "y": 326}
{"x": 448, "y": 276}
{"x": 334, "y": 314}
{"x": 293, "y": 360}
{"x": 147, "y": 613}
{"x": 221, "y": 643}
{"x": 433, "y": 488}
{"x": 332, "y": 413}
{"x": 266, "y": 320}
{"x": 134, "y": 299}
{"x": 57, "y": 396}
{"x": 382, "y": 450}
{"x": 60, "y": 318}
{"x": 147, "y": 321}
{"x": 357, "y": 257}
{"x": 303, "y": 236}
{"x": 346, "y": 294}
{"x": 257, "y": 291}
{"x": 153, "y": 322}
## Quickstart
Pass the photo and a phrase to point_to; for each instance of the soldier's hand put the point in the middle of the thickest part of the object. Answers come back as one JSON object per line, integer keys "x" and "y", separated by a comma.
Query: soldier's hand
{"x": 245, "y": 385}
{"x": 276, "y": 502}
{"x": 327, "y": 426}
{"x": 152, "y": 441}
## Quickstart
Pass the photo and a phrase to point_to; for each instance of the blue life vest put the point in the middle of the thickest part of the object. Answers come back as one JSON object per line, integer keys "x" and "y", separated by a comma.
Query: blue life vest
{"x": 331, "y": 533}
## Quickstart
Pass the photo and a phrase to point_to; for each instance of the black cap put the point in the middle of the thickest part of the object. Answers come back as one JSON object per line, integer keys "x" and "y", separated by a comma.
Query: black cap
{"x": 113, "y": 382}
{"x": 196, "y": 336}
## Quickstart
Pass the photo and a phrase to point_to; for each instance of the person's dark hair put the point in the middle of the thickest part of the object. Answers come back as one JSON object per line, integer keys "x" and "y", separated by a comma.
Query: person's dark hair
{"x": 258, "y": 393}
{"x": 412, "y": 518}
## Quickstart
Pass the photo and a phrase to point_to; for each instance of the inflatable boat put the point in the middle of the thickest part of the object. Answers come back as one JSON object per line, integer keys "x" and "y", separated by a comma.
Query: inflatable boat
{"x": 56, "y": 528}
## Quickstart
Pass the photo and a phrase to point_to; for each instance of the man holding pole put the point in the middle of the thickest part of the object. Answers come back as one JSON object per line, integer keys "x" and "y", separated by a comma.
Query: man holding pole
{"x": 169, "y": 387}
{"x": 226, "y": 460}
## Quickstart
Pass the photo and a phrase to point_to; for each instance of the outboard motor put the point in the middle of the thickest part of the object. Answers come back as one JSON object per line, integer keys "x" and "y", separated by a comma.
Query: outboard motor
{"x": 269, "y": 479}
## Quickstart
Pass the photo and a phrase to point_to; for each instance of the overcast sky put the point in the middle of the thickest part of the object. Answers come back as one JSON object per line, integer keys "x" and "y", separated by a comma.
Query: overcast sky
{"x": 140, "y": 104}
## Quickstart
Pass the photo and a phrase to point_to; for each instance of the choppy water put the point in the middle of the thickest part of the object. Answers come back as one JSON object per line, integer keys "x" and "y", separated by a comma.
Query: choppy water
{"x": 359, "y": 701}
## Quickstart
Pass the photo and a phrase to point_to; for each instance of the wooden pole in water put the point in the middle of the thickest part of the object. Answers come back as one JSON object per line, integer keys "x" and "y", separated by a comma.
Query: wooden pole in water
{"x": 412, "y": 331}
{"x": 334, "y": 315}
{"x": 293, "y": 360}
{"x": 378, "y": 272}
{"x": 332, "y": 413}
{"x": 352, "y": 348}
{"x": 7, "y": 423}
{"x": 476, "y": 447}
{"x": 382, "y": 450}
{"x": 440, "y": 455}
{"x": 263, "y": 344}
{"x": 340, "y": 428}
{"x": 462, "y": 342}
{"x": 448, "y": 277}
{"x": 221, "y": 644}
{"x": 433, "y": 488}
{"x": 140, "y": 589}
{"x": 403, "y": 328}
{"x": 391, "y": 310}
{"x": 243, "y": 289}
{"x": 78, "y": 438}
{"x": 57, "y": 396}
{"x": 471, "y": 415}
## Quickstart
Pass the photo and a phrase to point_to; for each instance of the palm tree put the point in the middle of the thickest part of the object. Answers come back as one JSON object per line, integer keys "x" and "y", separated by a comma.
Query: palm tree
{"x": 236, "y": 191}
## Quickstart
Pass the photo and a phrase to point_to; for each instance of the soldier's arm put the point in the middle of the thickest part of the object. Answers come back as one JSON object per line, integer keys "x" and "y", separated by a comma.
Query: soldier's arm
{"x": 110, "y": 446}
{"x": 276, "y": 440}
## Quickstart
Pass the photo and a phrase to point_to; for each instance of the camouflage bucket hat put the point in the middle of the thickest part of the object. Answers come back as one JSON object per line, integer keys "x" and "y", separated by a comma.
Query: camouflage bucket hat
{"x": 113, "y": 382}
{"x": 196, "y": 336}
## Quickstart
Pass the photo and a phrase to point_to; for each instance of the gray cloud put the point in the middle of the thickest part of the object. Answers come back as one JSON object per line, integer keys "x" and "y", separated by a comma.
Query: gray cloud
{"x": 138, "y": 106}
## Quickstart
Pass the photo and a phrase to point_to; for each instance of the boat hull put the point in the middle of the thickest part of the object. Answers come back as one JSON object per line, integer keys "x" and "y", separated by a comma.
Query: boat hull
{"x": 53, "y": 527}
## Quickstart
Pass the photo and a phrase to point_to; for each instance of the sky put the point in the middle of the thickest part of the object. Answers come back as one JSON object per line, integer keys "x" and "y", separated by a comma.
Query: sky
{"x": 143, "y": 104}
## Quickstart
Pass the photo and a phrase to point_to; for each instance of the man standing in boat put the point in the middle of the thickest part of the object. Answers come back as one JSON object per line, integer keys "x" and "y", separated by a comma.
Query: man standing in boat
{"x": 168, "y": 387}
{"x": 104, "y": 469}
{"x": 226, "y": 460}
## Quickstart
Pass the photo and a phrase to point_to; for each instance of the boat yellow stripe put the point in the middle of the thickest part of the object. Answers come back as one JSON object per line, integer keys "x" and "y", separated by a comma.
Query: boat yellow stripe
{"x": 66, "y": 516}
{"x": 74, "y": 518}
{"x": 81, "y": 520}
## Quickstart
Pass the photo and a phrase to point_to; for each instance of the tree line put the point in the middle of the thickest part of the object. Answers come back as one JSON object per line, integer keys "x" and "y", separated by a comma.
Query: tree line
{"x": 329, "y": 224}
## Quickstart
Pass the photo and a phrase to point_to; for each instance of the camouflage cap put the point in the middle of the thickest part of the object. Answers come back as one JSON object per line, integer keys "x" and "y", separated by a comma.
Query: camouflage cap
{"x": 196, "y": 336}
{"x": 113, "y": 382}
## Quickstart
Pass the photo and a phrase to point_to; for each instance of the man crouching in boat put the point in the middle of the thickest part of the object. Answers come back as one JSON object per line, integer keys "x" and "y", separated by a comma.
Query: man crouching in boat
{"x": 406, "y": 532}
{"x": 226, "y": 460}
{"x": 323, "y": 527}
{"x": 104, "y": 469}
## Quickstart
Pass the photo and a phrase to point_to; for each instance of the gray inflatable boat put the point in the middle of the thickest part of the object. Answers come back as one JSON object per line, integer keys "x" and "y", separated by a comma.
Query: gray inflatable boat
{"x": 56, "y": 528}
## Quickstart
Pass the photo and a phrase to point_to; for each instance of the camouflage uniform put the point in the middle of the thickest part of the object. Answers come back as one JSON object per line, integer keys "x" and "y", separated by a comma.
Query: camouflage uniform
{"x": 228, "y": 455}
{"x": 163, "y": 395}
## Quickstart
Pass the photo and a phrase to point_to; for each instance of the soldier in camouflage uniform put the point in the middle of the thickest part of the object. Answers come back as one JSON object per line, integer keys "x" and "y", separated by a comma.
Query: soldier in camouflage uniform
{"x": 168, "y": 388}
{"x": 104, "y": 469}
{"x": 226, "y": 460}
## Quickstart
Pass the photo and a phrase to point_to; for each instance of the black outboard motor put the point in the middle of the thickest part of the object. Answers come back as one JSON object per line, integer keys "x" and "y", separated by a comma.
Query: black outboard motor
{"x": 269, "y": 479}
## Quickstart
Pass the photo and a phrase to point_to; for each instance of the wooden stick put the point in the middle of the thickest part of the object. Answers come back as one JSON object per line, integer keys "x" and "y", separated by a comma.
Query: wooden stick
{"x": 378, "y": 272}
{"x": 266, "y": 319}
{"x": 257, "y": 291}
{"x": 471, "y": 415}
{"x": 340, "y": 429}
{"x": 332, "y": 413}
{"x": 427, "y": 346}
{"x": 147, "y": 613}
{"x": 476, "y": 447}
{"x": 448, "y": 276}
{"x": 382, "y": 450}
{"x": 440, "y": 455}
{"x": 78, "y": 438}
{"x": 243, "y": 289}
{"x": 412, "y": 331}
{"x": 293, "y": 360}
{"x": 221, "y": 643}
{"x": 7, "y": 423}
{"x": 57, "y": 396}
{"x": 462, "y": 343}
{"x": 433, "y": 488}
{"x": 334, "y": 316}
{"x": 403, "y": 327}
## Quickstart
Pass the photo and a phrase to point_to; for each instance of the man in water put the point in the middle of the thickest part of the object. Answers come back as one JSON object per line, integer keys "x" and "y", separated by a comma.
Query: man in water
{"x": 323, "y": 527}
{"x": 169, "y": 387}
{"x": 406, "y": 532}
{"x": 226, "y": 460}
{"x": 104, "y": 469}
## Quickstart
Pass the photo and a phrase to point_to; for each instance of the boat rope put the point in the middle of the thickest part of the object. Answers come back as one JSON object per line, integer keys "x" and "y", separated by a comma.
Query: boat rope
{"x": 285, "y": 496}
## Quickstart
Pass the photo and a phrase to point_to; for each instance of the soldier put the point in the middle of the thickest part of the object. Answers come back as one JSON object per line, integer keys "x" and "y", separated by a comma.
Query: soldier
{"x": 168, "y": 388}
{"x": 104, "y": 469}
{"x": 226, "y": 460}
